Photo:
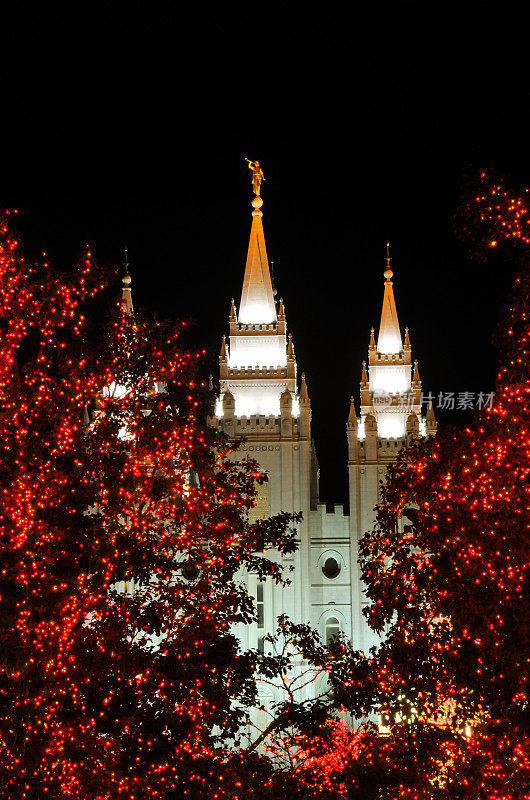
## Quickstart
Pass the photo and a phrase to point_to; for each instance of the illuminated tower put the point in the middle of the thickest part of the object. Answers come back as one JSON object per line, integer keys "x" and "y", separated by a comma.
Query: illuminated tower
{"x": 391, "y": 403}
{"x": 259, "y": 399}
{"x": 126, "y": 297}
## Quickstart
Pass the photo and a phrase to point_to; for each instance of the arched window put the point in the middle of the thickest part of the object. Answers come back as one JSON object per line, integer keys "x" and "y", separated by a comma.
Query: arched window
{"x": 332, "y": 629}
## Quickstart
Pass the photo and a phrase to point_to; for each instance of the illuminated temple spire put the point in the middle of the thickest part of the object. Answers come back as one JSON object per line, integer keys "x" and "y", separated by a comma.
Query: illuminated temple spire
{"x": 257, "y": 298}
{"x": 389, "y": 339}
{"x": 126, "y": 295}
{"x": 390, "y": 384}
{"x": 257, "y": 362}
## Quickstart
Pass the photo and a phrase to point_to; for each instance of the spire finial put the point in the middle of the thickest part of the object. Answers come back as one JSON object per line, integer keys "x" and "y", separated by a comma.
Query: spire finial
{"x": 257, "y": 304}
{"x": 257, "y": 178}
{"x": 388, "y": 271}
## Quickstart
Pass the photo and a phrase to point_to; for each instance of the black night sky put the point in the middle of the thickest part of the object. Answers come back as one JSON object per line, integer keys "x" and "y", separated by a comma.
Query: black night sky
{"x": 129, "y": 127}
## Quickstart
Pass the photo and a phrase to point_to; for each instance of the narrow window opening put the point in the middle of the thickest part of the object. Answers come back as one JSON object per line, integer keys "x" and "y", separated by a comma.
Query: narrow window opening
{"x": 332, "y": 630}
{"x": 260, "y": 606}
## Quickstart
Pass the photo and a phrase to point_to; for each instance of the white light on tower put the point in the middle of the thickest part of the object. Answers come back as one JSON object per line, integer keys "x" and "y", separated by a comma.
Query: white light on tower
{"x": 389, "y": 379}
{"x": 257, "y": 352}
{"x": 391, "y": 426}
{"x": 389, "y": 343}
{"x": 257, "y": 312}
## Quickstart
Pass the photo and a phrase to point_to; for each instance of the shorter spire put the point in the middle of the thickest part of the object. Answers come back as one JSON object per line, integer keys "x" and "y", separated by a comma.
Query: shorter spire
{"x": 416, "y": 378}
{"x": 372, "y": 340}
{"x": 389, "y": 339}
{"x": 223, "y": 349}
{"x": 126, "y": 295}
{"x": 407, "y": 339}
{"x": 431, "y": 424}
{"x": 352, "y": 417}
{"x": 304, "y": 396}
{"x": 290, "y": 347}
{"x": 232, "y": 310}
{"x": 281, "y": 310}
{"x": 430, "y": 412}
{"x": 364, "y": 376}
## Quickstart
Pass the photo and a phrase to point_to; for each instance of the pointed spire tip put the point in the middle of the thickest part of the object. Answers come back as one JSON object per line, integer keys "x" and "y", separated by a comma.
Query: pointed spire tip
{"x": 257, "y": 304}
{"x": 304, "y": 396}
{"x": 388, "y": 271}
{"x": 352, "y": 416}
{"x": 364, "y": 376}
{"x": 389, "y": 340}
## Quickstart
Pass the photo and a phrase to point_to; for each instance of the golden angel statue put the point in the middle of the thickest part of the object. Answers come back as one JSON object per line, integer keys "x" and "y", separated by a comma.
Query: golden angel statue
{"x": 257, "y": 175}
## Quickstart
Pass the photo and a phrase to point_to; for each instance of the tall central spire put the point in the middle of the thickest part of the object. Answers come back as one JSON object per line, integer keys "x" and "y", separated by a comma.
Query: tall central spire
{"x": 389, "y": 339}
{"x": 257, "y": 300}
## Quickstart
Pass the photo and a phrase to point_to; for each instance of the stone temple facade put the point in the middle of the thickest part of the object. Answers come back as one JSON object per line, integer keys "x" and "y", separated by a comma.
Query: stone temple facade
{"x": 263, "y": 398}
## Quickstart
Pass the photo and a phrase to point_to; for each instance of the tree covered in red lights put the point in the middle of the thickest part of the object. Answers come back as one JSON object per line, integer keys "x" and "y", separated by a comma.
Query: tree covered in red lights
{"x": 448, "y": 575}
{"x": 123, "y": 528}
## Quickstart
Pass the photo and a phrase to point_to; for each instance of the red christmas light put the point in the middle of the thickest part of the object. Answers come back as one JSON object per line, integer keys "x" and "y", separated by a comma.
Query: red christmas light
{"x": 450, "y": 590}
{"x": 119, "y": 676}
